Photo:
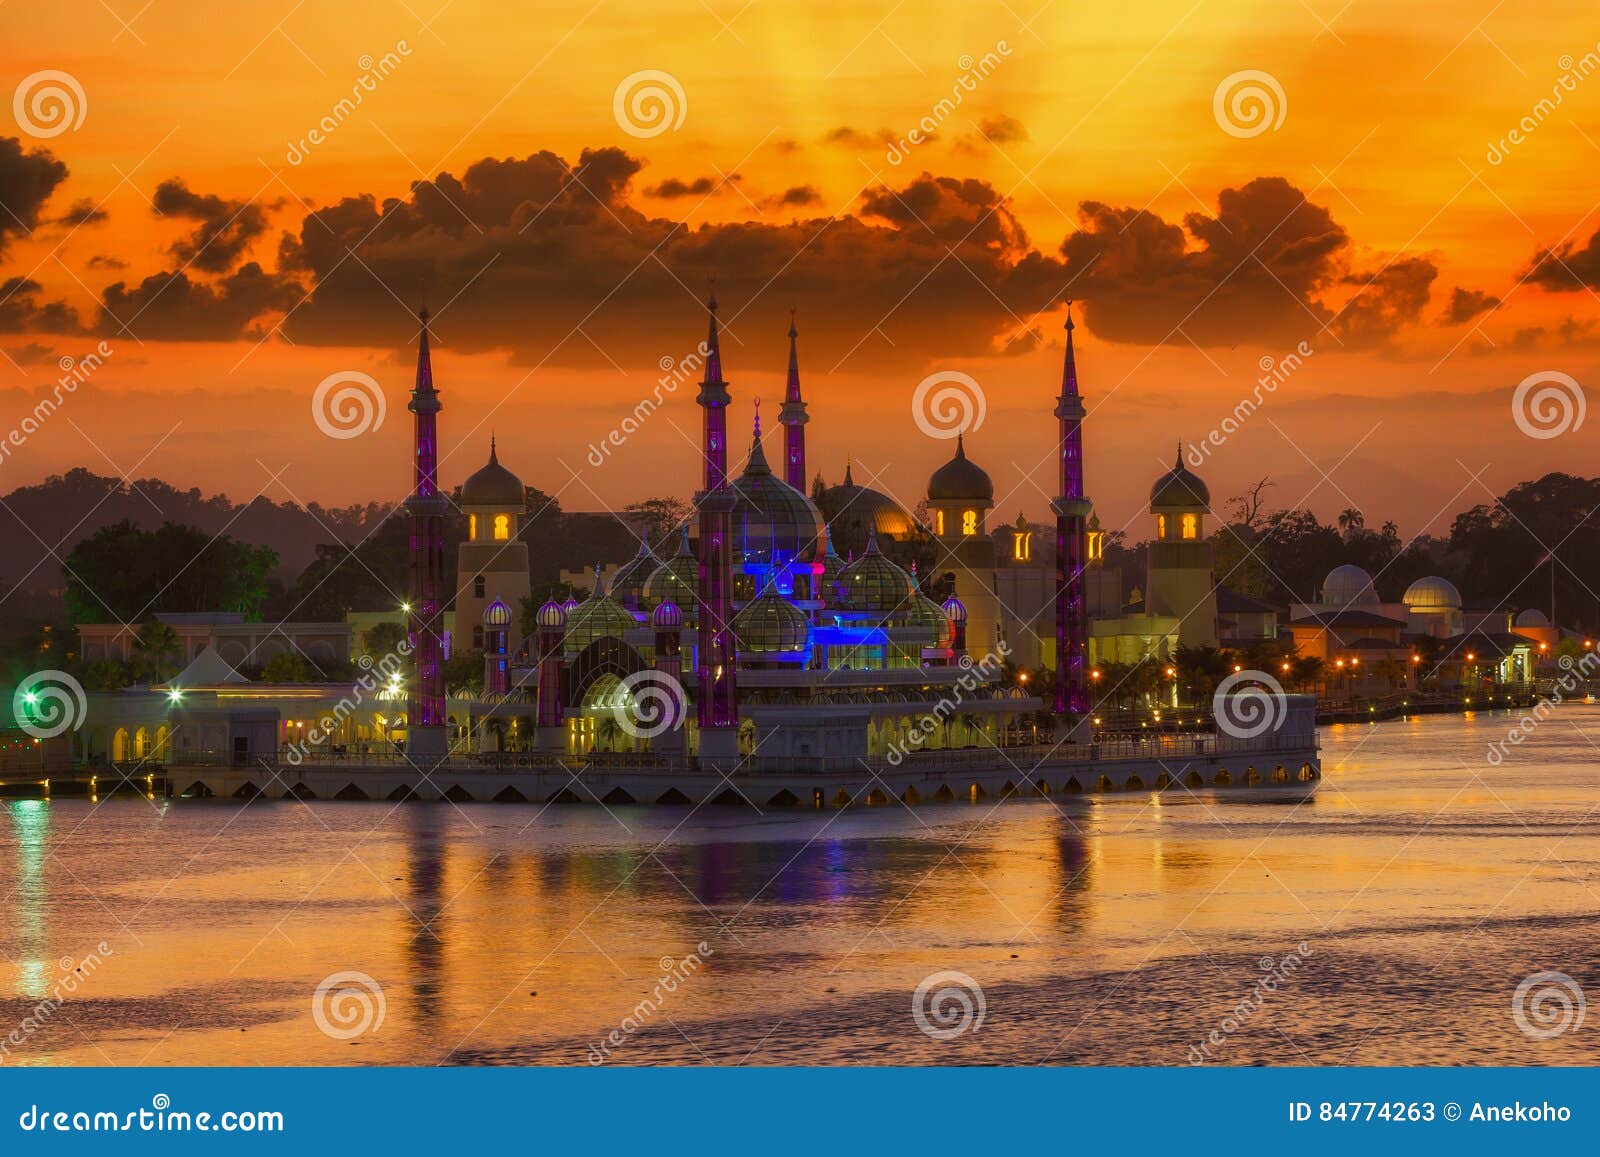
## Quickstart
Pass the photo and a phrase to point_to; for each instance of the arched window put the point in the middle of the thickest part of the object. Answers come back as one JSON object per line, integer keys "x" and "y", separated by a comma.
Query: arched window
{"x": 1191, "y": 526}
{"x": 969, "y": 522}
{"x": 472, "y": 526}
{"x": 1022, "y": 545}
{"x": 502, "y": 527}
{"x": 1161, "y": 526}
{"x": 938, "y": 522}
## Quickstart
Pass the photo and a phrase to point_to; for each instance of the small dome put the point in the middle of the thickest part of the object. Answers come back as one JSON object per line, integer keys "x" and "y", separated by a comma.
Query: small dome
{"x": 677, "y": 580}
{"x": 772, "y": 625}
{"x": 955, "y": 610}
{"x": 628, "y": 585}
{"x": 1179, "y": 489}
{"x": 1533, "y": 618}
{"x": 929, "y": 616}
{"x": 825, "y": 585}
{"x": 960, "y": 480}
{"x": 496, "y": 614}
{"x": 667, "y": 616}
{"x": 494, "y": 485}
{"x": 598, "y": 617}
{"x": 553, "y": 615}
{"x": 873, "y": 584}
{"x": 1432, "y": 594}
{"x": 570, "y": 605}
{"x": 1348, "y": 586}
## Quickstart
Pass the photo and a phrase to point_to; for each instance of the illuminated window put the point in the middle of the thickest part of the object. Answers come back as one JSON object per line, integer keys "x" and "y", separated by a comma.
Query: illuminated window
{"x": 938, "y": 522}
{"x": 1022, "y": 545}
{"x": 1191, "y": 526}
{"x": 472, "y": 526}
{"x": 969, "y": 522}
{"x": 502, "y": 527}
{"x": 1161, "y": 526}
{"x": 1097, "y": 545}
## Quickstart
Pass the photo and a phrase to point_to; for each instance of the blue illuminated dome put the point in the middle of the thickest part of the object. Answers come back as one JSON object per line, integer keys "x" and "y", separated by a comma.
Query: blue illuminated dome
{"x": 774, "y": 525}
{"x": 668, "y": 615}
{"x": 770, "y": 625}
{"x": 955, "y": 610}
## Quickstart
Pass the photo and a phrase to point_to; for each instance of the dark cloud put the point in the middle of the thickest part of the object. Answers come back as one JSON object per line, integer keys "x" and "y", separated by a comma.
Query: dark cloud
{"x": 672, "y": 187}
{"x": 31, "y": 354}
{"x": 106, "y": 261}
{"x": 1570, "y": 334}
{"x": 21, "y": 311}
{"x": 1258, "y": 271}
{"x": 798, "y": 196}
{"x": 171, "y": 307}
{"x": 225, "y": 231}
{"x": 853, "y": 138}
{"x": 1385, "y": 302}
{"x": 1567, "y": 267}
{"x": 995, "y": 130}
{"x": 26, "y": 182}
{"x": 83, "y": 212}
{"x": 1466, "y": 304}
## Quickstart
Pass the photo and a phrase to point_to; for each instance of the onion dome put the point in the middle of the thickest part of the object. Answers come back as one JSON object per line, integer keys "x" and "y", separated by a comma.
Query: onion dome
{"x": 570, "y": 605}
{"x": 668, "y": 616}
{"x": 553, "y": 615}
{"x": 774, "y": 525}
{"x": 496, "y": 614}
{"x": 1434, "y": 594}
{"x": 628, "y": 585}
{"x": 677, "y": 580}
{"x": 772, "y": 625}
{"x": 598, "y": 617}
{"x": 1532, "y": 618}
{"x": 494, "y": 485}
{"x": 924, "y": 614}
{"x": 849, "y": 506}
{"x": 960, "y": 480}
{"x": 873, "y": 584}
{"x": 1348, "y": 586}
{"x": 1179, "y": 489}
{"x": 955, "y": 610}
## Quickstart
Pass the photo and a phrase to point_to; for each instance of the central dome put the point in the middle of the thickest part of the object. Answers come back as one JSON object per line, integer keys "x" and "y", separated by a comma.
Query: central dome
{"x": 774, "y": 525}
{"x": 854, "y": 512}
{"x": 1432, "y": 593}
{"x": 772, "y": 625}
{"x": 960, "y": 480}
{"x": 1179, "y": 489}
{"x": 494, "y": 485}
{"x": 1348, "y": 586}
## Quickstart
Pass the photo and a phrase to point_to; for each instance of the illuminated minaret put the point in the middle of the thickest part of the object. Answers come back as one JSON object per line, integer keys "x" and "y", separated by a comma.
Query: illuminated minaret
{"x": 718, "y": 706}
{"x": 1072, "y": 510}
{"x": 425, "y": 718}
{"x": 794, "y": 419}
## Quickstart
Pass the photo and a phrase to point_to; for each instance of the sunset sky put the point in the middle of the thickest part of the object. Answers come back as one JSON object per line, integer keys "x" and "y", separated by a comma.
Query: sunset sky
{"x": 231, "y": 263}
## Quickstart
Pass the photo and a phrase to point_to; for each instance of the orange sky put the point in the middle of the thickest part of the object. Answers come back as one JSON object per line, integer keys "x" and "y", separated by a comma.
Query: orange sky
{"x": 551, "y": 322}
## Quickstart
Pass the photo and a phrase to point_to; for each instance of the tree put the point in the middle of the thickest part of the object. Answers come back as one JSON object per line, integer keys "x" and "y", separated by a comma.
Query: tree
{"x": 124, "y": 574}
{"x": 463, "y": 674}
{"x": 658, "y": 520}
{"x": 289, "y": 667}
{"x": 156, "y": 649}
{"x": 382, "y": 639}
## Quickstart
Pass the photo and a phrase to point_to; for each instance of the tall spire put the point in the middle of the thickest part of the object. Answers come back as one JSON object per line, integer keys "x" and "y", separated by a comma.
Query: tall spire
{"x": 1069, "y": 368}
{"x": 493, "y": 459}
{"x": 425, "y": 704}
{"x": 713, "y": 344}
{"x": 424, "y": 383}
{"x": 758, "y": 456}
{"x": 794, "y": 418}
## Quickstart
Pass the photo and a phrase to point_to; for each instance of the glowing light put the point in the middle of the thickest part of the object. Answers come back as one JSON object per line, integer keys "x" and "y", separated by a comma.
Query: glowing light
{"x": 175, "y": 695}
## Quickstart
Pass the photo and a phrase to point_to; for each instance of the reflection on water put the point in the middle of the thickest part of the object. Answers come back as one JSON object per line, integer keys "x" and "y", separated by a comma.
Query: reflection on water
{"x": 1425, "y": 883}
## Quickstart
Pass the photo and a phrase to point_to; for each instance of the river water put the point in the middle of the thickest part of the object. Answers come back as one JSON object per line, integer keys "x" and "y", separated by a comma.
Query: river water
{"x": 1388, "y": 918}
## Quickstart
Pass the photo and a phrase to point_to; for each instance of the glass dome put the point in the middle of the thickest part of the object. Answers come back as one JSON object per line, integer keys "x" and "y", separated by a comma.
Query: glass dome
{"x": 874, "y": 585}
{"x": 677, "y": 580}
{"x": 770, "y": 625}
{"x": 598, "y": 617}
{"x": 628, "y": 585}
{"x": 774, "y": 525}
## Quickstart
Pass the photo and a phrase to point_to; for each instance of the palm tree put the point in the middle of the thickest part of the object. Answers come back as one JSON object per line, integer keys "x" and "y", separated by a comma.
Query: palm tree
{"x": 155, "y": 652}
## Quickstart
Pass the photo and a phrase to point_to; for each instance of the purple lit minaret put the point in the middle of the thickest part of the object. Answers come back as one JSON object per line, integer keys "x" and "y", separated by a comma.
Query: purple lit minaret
{"x": 425, "y": 716}
{"x": 794, "y": 419}
{"x": 1072, "y": 509}
{"x": 718, "y": 706}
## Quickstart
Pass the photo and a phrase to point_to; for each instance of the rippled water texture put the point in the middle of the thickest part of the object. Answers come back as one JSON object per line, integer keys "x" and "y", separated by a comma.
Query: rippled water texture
{"x": 1423, "y": 883}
